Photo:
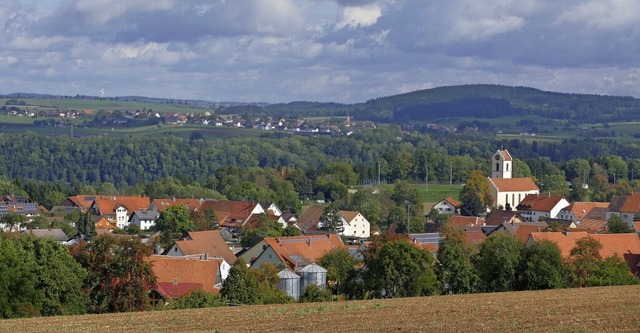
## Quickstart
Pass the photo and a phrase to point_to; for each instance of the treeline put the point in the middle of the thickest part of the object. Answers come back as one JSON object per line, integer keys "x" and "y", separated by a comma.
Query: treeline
{"x": 398, "y": 268}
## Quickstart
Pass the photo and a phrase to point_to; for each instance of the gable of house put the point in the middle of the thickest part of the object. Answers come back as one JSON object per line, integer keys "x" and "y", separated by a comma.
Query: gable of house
{"x": 298, "y": 251}
{"x": 209, "y": 243}
{"x": 310, "y": 217}
{"x": 186, "y": 270}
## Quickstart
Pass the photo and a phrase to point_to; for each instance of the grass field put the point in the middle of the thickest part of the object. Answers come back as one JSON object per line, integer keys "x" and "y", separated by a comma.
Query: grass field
{"x": 435, "y": 193}
{"x": 604, "y": 309}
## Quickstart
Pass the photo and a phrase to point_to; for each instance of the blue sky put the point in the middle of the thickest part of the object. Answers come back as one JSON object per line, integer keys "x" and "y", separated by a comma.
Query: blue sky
{"x": 315, "y": 50}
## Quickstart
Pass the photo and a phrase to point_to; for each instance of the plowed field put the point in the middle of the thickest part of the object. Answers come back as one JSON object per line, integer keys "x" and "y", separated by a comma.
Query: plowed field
{"x": 607, "y": 309}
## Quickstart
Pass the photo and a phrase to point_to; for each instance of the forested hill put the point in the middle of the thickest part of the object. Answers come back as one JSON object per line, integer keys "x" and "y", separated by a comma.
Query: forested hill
{"x": 487, "y": 101}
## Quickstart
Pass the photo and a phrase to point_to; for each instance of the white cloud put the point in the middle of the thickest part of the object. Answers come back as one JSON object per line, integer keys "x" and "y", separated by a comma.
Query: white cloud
{"x": 364, "y": 16}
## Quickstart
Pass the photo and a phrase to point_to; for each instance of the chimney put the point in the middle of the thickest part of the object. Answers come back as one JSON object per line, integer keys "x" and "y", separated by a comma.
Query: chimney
{"x": 175, "y": 281}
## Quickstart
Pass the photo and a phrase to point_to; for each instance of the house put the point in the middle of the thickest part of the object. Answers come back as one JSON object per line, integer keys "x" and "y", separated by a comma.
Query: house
{"x": 119, "y": 208}
{"x": 56, "y": 234}
{"x": 161, "y": 204}
{"x": 358, "y": 225}
{"x": 630, "y": 207}
{"x": 499, "y": 216}
{"x": 143, "y": 218}
{"x": 83, "y": 202}
{"x": 310, "y": 218}
{"x": 578, "y": 210}
{"x": 447, "y": 205}
{"x": 296, "y": 252}
{"x": 624, "y": 246}
{"x": 27, "y": 210}
{"x": 104, "y": 224}
{"x": 522, "y": 230}
{"x": 464, "y": 222}
{"x": 164, "y": 292}
{"x": 536, "y": 206}
{"x": 430, "y": 240}
{"x": 191, "y": 273}
{"x": 507, "y": 191}
{"x": 208, "y": 244}
{"x": 233, "y": 215}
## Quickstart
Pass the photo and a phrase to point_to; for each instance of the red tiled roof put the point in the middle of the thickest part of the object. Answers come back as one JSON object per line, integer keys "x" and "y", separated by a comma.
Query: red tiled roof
{"x": 462, "y": 222}
{"x": 310, "y": 217}
{"x": 348, "y": 215}
{"x": 514, "y": 184}
{"x": 186, "y": 270}
{"x": 163, "y": 204}
{"x": 498, "y": 217}
{"x": 505, "y": 154}
{"x": 474, "y": 236}
{"x": 209, "y": 242}
{"x": 592, "y": 225}
{"x": 637, "y": 225}
{"x": 581, "y": 209}
{"x": 524, "y": 231}
{"x": 631, "y": 203}
{"x": 539, "y": 202}
{"x": 453, "y": 202}
{"x": 82, "y": 201}
{"x": 237, "y": 212}
{"x": 106, "y": 205}
{"x": 303, "y": 250}
{"x": 625, "y": 246}
{"x": 171, "y": 290}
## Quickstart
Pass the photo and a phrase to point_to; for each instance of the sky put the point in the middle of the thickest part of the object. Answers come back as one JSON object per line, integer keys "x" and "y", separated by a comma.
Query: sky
{"x": 345, "y": 51}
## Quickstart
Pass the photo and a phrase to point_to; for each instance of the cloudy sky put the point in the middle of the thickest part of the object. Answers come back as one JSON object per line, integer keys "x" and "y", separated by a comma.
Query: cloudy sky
{"x": 315, "y": 50}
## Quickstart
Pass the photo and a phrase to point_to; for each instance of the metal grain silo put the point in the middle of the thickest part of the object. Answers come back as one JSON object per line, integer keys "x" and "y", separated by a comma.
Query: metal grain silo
{"x": 313, "y": 274}
{"x": 289, "y": 283}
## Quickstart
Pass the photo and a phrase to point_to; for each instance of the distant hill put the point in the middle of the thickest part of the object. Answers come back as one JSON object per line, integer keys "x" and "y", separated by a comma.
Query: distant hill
{"x": 431, "y": 105}
{"x": 489, "y": 101}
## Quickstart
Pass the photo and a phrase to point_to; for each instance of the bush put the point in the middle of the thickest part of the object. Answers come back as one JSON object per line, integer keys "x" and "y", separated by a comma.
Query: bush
{"x": 197, "y": 299}
{"x": 313, "y": 293}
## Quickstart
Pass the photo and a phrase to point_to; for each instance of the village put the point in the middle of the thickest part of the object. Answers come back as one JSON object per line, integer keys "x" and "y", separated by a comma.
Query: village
{"x": 202, "y": 260}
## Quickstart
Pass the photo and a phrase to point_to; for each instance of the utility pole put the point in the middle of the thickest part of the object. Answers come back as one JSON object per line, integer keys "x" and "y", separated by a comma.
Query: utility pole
{"x": 426, "y": 178}
{"x": 451, "y": 174}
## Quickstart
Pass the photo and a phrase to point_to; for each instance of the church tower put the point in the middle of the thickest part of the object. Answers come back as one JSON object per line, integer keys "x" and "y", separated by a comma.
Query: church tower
{"x": 501, "y": 164}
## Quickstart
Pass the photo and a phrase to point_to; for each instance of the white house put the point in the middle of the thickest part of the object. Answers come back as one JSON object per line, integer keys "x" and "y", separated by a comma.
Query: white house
{"x": 144, "y": 219}
{"x": 536, "y": 206}
{"x": 358, "y": 224}
{"x": 448, "y": 206}
{"x": 507, "y": 191}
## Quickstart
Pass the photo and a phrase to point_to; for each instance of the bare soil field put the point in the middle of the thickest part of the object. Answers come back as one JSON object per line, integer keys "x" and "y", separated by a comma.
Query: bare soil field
{"x": 605, "y": 309}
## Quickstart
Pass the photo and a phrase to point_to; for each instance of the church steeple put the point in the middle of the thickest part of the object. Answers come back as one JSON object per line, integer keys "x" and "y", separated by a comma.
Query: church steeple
{"x": 501, "y": 164}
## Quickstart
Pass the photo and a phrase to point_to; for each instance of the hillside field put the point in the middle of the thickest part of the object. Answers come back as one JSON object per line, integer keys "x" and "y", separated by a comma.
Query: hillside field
{"x": 603, "y": 309}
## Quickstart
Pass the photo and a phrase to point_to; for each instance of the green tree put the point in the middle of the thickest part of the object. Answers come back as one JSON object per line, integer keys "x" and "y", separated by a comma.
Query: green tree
{"x": 204, "y": 219}
{"x": 174, "y": 223}
{"x": 119, "y": 277}
{"x": 400, "y": 269}
{"x": 498, "y": 262}
{"x": 555, "y": 184}
{"x": 197, "y": 299}
{"x": 541, "y": 266}
{"x": 612, "y": 271}
{"x": 331, "y": 219}
{"x": 476, "y": 194}
{"x": 241, "y": 286}
{"x": 13, "y": 220}
{"x": 340, "y": 266}
{"x": 267, "y": 276}
{"x": 455, "y": 271}
{"x": 313, "y": 293}
{"x": 59, "y": 276}
{"x": 582, "y": 260}
{"x": 20, "y": 297}
{"x": 266, "y": 227}
{"x": 616, "y": 225}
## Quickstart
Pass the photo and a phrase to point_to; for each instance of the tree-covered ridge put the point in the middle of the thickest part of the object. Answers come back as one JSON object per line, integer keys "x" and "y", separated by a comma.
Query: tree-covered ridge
{"x": 487, "y": 101}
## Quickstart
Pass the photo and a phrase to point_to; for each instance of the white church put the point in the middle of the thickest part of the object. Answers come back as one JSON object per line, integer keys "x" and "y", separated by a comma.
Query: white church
{"x": 508, "y": 191}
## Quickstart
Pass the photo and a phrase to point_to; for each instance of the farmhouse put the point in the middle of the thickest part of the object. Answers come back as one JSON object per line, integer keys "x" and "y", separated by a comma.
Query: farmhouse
{"x": 535, "y": 207}
{"x": 448, "y": 206}
{"x": 119, "y": 209}
{"x": 209, "y": 244}
{"x": 297, "y": 251}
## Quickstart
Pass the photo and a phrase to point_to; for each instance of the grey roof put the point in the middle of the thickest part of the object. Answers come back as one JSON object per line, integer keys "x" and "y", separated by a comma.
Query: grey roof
{"x": 313, "y": 268}
{"x": 427, "y": 238}
{"x": 288, "y": 274}
{"x": 616, "y": 203}
{"x": 56, "y": 234}
{"x": 146, "y": 214}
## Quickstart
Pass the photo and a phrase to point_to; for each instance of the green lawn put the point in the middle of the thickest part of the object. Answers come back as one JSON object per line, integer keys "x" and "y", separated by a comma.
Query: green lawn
{"x": 434, "y": 193}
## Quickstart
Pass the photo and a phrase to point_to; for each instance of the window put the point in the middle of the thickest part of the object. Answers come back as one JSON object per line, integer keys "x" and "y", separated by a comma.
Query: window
{"x": 507, "y": 166}
{"x": 497, "y": 166}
